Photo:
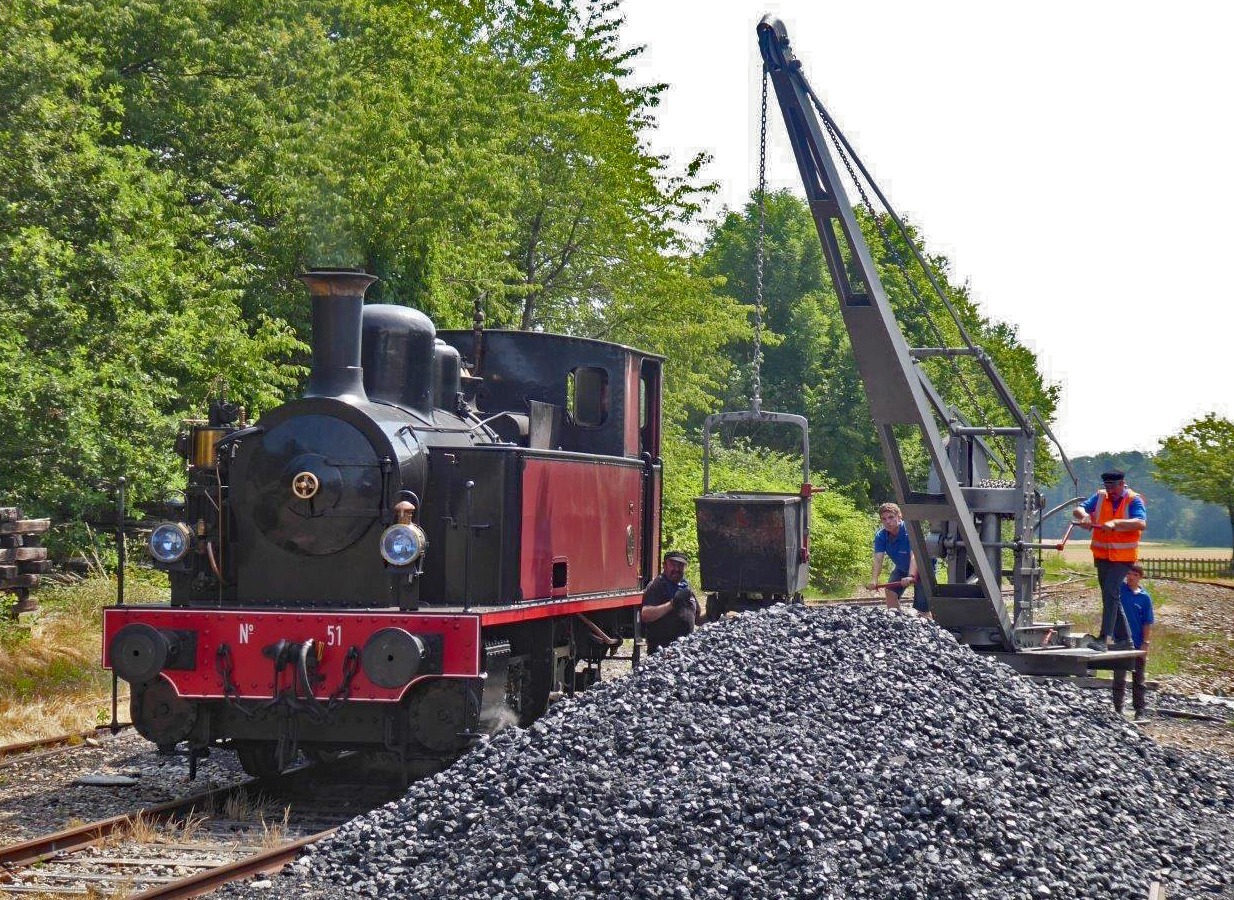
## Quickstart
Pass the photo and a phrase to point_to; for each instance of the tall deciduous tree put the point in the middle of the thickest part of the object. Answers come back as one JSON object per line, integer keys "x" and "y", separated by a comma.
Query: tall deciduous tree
{"x": 116, "y": 314}
{"x": 169, "y": 164}
{"x": 1198, "y": 462}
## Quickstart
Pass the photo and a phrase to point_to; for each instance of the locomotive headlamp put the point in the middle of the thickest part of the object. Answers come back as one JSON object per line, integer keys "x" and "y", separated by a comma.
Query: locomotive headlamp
{"x": 402, "y": 544}
{"x": 170, "y": 541}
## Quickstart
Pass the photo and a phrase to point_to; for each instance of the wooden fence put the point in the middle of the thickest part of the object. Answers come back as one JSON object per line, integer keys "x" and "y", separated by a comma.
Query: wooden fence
{"x": 1187, "y": 568}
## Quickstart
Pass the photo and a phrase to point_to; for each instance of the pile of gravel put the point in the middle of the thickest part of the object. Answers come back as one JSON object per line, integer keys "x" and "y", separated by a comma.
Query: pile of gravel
{"x": 798, "y": 752}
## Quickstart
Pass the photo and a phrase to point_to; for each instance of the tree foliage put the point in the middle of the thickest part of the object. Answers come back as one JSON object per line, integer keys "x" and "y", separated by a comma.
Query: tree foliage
{"x": 168, "y": 165}
{"x": 1198, "y": 462}
{"x": 117, "y": 314}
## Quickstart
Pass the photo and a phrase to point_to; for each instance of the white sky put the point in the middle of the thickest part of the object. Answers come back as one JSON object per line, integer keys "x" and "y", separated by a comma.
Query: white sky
{"x": 1073, "y": 159}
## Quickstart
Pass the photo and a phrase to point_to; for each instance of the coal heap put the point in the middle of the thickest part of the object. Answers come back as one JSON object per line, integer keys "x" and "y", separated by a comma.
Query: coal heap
{"x": 831, "y": 753}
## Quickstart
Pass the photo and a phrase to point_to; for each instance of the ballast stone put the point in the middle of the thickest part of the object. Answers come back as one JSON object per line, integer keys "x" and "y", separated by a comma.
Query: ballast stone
{"x": 846, "y": 753}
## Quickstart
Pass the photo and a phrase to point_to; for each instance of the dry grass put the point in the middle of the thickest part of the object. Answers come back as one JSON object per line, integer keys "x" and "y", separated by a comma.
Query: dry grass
{"x": 275, "y": 834}
{"x": 140, "y": 831}
{"x": 240, "y": 807}
{"x": 51, "y": 678}
{"x": 146, "y": 831}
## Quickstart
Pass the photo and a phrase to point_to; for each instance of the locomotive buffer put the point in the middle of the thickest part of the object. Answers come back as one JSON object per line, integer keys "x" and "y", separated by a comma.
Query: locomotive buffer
{"x": 968, "y": 512}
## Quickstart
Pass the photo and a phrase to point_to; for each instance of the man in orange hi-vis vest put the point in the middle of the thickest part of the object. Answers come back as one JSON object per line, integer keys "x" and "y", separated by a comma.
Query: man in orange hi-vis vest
{"x": 1117, "y": 518}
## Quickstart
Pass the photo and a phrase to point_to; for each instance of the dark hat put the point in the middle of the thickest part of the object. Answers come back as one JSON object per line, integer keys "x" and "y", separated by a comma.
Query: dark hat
{"x": 677, "y": 555}
{"x": 1112, "y": 476}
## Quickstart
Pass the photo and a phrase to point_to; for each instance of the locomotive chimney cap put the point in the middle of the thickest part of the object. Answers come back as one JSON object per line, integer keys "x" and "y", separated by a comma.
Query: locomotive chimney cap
{"x": 336, "y": 282}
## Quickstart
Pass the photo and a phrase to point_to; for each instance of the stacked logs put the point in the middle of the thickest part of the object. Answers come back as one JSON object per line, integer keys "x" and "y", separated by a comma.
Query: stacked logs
{"x": 22, "y": 561}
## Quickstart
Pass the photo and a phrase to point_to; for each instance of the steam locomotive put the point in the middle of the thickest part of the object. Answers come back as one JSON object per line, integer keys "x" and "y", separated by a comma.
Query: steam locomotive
{"x": 447, "y": 530}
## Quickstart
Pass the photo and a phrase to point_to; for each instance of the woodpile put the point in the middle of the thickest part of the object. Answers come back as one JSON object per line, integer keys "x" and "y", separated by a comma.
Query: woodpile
{"x": 22, "y": 561}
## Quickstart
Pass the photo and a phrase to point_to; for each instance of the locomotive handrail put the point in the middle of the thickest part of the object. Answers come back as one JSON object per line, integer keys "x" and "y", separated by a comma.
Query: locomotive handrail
{"x": 755, "y": 415}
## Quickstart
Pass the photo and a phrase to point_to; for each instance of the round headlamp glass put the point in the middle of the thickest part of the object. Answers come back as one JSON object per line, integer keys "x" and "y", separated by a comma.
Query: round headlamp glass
{"x": 170, "y": 541}
{"x": 402, "y": 545}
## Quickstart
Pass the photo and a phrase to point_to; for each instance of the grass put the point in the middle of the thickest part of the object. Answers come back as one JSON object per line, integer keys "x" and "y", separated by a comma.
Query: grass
{"x": 51, "y": 677}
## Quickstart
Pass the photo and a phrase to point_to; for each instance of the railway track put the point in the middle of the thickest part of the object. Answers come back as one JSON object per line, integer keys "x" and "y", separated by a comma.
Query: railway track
{"x": 27, "y": 751}
{"x": 192, "y": 845}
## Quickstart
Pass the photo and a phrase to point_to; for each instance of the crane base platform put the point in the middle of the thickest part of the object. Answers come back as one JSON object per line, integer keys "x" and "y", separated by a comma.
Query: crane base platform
{"x": 1067, "y": 660}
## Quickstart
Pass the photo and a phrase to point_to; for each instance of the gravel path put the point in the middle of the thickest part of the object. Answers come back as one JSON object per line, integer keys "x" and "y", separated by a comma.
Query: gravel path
{"x": 841, "y": 753}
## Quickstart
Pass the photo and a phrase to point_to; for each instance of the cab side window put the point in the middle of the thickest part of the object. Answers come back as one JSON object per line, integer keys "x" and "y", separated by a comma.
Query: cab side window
{"x": 587, "y": 396}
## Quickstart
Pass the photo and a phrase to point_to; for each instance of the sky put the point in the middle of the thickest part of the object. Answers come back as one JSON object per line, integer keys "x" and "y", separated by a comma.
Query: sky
{"x": 1074, "y": 160}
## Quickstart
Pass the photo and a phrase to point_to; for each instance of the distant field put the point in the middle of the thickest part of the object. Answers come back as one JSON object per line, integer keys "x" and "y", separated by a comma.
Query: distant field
{"x": 1077, "y": 552}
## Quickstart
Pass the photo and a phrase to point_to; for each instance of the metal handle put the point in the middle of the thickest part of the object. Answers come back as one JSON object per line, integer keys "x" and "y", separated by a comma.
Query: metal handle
{"x": 759, "y": 416}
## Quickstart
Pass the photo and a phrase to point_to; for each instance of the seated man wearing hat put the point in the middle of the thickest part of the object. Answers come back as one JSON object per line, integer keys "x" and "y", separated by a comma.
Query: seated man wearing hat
{"x": 1117, "y": 518}
{"x": 670, "y": 609}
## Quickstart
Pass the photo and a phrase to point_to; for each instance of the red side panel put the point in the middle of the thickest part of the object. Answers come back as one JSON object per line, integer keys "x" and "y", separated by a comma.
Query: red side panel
{"x": 657, "y": 495}
{"x": 247, "y": 632}
{"x": 584, "y": 514}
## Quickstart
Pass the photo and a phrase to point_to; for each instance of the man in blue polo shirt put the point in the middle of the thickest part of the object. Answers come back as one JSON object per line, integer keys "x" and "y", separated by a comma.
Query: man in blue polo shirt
{"x": 891, "y": 540}
{"x": 1138, "y": 607}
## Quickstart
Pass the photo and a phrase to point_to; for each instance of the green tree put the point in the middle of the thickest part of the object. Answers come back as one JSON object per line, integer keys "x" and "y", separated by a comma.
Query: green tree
{"x": 168, "y": 165}
{"x": 1198, "y": 462}
{"x": 117, "y": 314}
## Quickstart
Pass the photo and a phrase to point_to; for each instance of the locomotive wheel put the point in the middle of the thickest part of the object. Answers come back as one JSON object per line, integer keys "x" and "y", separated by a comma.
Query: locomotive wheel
{"x": 259, "y": 758}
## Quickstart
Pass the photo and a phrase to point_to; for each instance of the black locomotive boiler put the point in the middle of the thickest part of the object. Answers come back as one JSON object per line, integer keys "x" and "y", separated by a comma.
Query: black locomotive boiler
{"x": 415, "y": 551}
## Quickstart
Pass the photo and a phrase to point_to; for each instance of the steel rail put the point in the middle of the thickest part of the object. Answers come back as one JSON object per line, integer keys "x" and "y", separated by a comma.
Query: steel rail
{"x": 61, "y": 743}
{"x": 265, "y": 862}
{"x": 38, "y": 849}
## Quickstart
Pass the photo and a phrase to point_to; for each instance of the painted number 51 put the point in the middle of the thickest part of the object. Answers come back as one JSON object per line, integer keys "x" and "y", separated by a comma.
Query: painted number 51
{"x": 334, "y": 635}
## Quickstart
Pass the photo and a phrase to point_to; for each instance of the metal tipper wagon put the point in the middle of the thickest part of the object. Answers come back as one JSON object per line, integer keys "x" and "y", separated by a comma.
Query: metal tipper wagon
{"x": 753, "y": 546}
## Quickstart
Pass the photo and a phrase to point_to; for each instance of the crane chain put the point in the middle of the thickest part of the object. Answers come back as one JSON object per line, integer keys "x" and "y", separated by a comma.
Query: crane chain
{"x": 756, "y": 363}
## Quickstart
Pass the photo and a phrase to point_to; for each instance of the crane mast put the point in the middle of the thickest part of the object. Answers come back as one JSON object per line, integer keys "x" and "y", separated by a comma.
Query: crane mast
{"x": 964, "y": 507}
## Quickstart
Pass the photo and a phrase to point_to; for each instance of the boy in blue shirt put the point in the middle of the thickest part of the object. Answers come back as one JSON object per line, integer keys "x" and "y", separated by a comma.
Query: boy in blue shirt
{"x": 891, "y": 540}
{"x": 1138, "y": 607}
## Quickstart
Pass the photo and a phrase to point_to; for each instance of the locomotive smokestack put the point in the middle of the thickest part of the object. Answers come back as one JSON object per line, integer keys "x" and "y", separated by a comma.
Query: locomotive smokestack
{"x": 338, "y": 299}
